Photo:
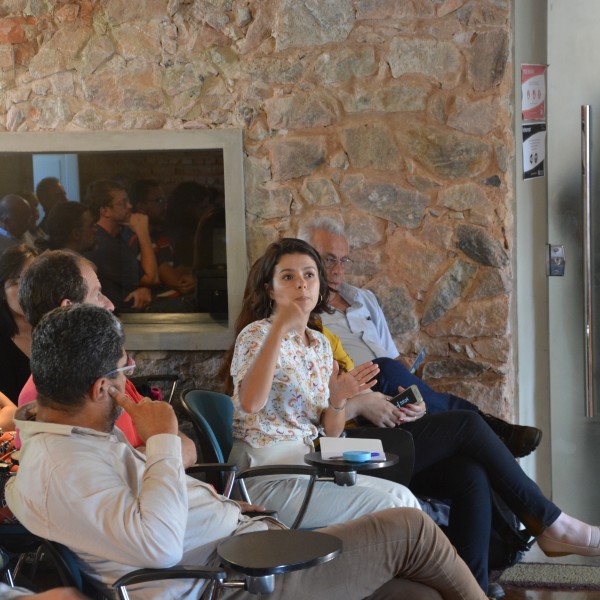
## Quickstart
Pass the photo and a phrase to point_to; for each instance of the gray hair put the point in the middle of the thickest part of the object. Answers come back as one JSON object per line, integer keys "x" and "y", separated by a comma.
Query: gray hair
{"x": 328, "y": 224}
{"x": 71, "y": 347}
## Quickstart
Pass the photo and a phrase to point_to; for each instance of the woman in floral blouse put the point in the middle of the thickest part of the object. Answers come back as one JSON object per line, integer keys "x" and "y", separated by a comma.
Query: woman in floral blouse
{"x": 282, "y": 371}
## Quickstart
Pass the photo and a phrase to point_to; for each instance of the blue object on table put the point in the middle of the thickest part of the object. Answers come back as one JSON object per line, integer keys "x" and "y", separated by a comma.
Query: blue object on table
{"x": 356, "y": 456}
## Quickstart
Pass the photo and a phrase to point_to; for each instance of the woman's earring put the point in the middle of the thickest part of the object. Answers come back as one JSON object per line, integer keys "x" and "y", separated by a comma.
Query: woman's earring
{"x": 320, "y": 298}
{"x": 271, "y": 305}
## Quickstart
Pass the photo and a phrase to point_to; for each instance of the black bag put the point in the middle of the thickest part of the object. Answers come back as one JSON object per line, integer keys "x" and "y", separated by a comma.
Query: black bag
{"x": 508, "y": 540}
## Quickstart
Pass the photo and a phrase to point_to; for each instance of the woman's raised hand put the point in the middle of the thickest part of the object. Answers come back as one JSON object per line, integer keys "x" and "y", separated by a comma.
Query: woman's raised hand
{"x": 347, "y": 385}
{"x": 289, "y": 317}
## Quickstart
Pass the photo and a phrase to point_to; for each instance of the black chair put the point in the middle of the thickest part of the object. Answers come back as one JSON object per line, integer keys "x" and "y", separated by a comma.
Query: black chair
{"x": 211, "y": 414}
{"x": 142, "y": 382}
{"x": 5, "y": 574}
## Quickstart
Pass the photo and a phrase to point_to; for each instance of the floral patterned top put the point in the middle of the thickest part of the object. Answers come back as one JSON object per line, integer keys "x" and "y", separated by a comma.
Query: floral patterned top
{"x": 300, "y": 390}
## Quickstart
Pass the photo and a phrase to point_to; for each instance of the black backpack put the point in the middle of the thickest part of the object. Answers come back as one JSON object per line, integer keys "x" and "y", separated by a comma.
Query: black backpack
{"x": 509, "y": 540}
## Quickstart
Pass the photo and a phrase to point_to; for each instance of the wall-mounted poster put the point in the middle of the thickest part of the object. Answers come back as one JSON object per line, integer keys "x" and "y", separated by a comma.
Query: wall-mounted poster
{"x": 534, "y": 150}
{"x": 533, "y": 92}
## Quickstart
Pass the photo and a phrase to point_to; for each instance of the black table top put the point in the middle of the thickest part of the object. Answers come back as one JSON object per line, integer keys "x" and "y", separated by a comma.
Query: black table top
{"x": 315, "y": 459}
{"x": 262, "y": 553}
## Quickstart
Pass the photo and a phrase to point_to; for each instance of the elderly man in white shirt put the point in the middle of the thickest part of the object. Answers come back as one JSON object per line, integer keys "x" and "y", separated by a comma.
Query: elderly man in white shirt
{"x": 359, "y": 322}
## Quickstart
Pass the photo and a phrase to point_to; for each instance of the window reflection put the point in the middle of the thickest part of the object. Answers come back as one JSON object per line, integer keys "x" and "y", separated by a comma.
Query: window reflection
{"x": 181, "y": 194}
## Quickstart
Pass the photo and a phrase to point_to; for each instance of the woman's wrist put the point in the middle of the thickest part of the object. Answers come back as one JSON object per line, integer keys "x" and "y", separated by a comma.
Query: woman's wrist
{"x": 338, "y": 408}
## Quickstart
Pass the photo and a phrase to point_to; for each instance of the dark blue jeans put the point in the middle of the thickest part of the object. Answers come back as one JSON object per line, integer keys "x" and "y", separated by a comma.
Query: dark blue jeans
{"x": 458, "y": 457}
{"x": 393, "y": 373}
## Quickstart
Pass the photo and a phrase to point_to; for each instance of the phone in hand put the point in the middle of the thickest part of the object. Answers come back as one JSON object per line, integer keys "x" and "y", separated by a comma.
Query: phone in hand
{"x": 410, "y": 395}
{"x": 418, "y": 360}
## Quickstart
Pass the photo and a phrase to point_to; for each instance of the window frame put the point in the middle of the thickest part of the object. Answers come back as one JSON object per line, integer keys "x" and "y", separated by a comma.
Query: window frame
{"x": 155, "y": 331}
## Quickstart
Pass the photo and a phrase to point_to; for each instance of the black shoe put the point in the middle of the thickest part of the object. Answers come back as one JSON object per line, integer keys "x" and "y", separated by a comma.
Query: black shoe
{"x": 521, "y": 440}
{"x": 495, "y": 591}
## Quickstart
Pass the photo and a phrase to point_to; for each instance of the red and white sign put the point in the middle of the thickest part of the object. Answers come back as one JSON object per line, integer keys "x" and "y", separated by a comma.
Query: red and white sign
{"x": 533, "y": 92}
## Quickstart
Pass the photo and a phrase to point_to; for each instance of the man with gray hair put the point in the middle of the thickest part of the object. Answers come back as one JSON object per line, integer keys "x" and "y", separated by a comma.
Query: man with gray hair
{"x": 81, "y": 484}
{"x": 359, "y": 322}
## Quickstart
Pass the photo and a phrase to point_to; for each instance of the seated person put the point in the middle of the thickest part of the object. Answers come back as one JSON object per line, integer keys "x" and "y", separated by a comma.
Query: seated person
{"x": 15, "y": 216}
{"x": 49, "y": 192}
{"x": 80, "y": 484}
{"x": 15, "y": 331}
{"x": 70, "y": 226}
{"x": 281, "y": 368}
{"x": 7, "y": 411}
{"x": 60, "y": 278}
{"x": 121, "y": 237}
{"x": 34, "y": 231}
{"x": 177, "y": 284}
{"x": 357, "y": 319}
{"x": 281, "y": 371}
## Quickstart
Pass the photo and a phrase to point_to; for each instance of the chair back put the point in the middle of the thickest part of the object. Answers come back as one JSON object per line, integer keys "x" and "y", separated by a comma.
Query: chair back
{"x": 211, "y": 414}
{"x": 66, "y": 564}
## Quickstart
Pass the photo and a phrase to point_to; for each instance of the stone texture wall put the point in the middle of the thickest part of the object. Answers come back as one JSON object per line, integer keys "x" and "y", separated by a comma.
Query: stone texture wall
{"x": 394, "y": 115}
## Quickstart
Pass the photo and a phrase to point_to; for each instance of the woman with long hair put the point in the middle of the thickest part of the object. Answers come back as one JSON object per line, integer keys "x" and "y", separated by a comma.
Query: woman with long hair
{"x": 15, "y": 332}
{"x": 457, "y": 455}
{"x": 281, "y": 370}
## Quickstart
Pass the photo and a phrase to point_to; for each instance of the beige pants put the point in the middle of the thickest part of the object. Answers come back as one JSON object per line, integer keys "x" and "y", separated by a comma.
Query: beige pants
{"x": 394, "y": 554}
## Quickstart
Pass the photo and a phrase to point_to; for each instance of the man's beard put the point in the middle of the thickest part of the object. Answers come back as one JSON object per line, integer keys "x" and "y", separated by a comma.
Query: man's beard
{"x": 115, "y": 412}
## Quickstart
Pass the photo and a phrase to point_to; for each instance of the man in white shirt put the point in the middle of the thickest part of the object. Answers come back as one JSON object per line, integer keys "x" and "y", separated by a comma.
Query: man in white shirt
{"x": 361, "y": 326}
{"x": 81, "y": 484}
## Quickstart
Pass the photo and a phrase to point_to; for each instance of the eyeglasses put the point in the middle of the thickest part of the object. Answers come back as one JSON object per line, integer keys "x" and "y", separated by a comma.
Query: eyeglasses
{"x": 345, "y": 262}
{"x": 127, "y": 370}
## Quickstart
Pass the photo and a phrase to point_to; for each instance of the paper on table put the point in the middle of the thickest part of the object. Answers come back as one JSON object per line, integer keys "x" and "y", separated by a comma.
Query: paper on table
{"x": 332, "y": 447}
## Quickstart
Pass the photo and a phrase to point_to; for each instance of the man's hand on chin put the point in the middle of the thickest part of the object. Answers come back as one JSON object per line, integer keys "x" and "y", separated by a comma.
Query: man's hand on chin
{"x": 149, "y": 417}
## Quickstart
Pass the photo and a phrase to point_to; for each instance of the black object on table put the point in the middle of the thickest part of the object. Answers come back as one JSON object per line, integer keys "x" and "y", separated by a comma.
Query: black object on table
{"x": 344, "y": 471}
{"x": 260, "y": 555}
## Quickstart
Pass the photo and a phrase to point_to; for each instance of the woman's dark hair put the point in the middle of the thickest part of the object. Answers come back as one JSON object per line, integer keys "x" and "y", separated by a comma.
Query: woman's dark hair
{"x": 257, "y": 302}
{"x": 12, "y": 261}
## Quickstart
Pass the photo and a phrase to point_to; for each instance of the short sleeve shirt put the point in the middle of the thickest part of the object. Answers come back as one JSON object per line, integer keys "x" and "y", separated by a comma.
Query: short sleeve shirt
{"x": 300, "y": 390}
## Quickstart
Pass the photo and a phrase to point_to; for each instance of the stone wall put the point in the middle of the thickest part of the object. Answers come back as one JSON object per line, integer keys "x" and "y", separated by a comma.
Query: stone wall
{"x": 394, "y": 115}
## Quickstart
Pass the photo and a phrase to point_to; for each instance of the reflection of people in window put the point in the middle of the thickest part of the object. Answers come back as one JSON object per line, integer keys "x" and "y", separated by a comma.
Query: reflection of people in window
{"x": 188, "y": 202}
{"x": 124, "y": 254}
{"x": 71, "y": 227}
{"x": 50, "y": 192}
{"x": 176, "y": 281}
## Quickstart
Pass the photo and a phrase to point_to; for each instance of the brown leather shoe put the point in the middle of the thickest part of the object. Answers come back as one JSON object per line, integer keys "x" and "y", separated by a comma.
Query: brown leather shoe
{"x": 521, "y": 440}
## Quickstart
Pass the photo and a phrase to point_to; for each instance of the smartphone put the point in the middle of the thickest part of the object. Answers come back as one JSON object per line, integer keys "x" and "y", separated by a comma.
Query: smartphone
{"x": 418, "y": 360}
{"x": 410, "y": 395}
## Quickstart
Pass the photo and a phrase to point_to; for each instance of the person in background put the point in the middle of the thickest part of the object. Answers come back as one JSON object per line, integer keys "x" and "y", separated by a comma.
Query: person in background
{"x": 14, "y": 220}
{"x": 359, "y": 322}
{"x": 188, "y": 202}
{"x": 15, "y": 331}
{"x": 61, "y": 278}
{"x": 118, "y": 511}
{"x": 34, "y": 231}
{"x": 177, "y": 283}
{"x": 123, "y": 254}
{"x": 7, "y": 412}
{"x": 49, "y": 192}
{"x": 70, "y": 227}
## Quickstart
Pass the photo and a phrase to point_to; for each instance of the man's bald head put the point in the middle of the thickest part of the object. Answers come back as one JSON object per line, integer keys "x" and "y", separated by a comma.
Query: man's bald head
{"x": 14, "y": 214}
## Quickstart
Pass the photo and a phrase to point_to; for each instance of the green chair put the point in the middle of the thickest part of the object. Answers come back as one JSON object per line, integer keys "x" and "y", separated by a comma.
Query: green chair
{"x": 211, "y": 414}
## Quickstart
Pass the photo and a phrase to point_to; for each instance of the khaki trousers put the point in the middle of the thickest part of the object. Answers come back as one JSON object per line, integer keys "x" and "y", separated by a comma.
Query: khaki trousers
{"x": 397, "y": 553}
